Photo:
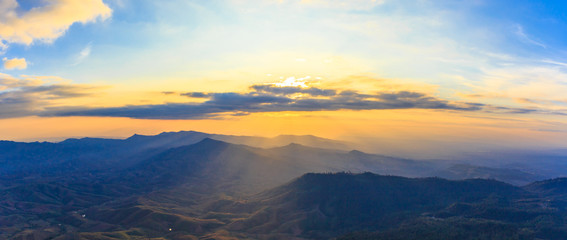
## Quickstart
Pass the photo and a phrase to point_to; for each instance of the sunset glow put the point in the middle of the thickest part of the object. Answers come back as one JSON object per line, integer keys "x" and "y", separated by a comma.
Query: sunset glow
{"x": 432, "y": 71}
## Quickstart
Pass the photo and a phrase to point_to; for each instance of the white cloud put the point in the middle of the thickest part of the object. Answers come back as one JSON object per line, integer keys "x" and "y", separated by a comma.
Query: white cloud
{"x": 524, "y": 37}
{"x": 15, "y": 63}
{"x": 328, "y": 4}
{"x": 526, "y": 83}
{"x": 3, "y": 47}
{"x": 83, "y": 54}
{"x": 342, "y": 4}
{"x": 554, "y": 62}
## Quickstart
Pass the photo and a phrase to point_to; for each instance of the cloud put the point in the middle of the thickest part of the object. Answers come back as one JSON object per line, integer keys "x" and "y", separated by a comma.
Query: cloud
{"x": 541, "y": 83}
{"x": 195, "y": 94}
{"x": 3, "y": 47}
{"x": 36, "y": 96}
{"x": 554, "y": 62}
{"x": 31, "y": 95}
{"x": 269, "y": 88}
{"x": 337, "y": 4}
{"x": 15, "y": 63}
{"x": 271, "y": 98}
{"x": 524, "y": 37}
{"x": 47, "y": 22}
{"x": 83, "y": 54}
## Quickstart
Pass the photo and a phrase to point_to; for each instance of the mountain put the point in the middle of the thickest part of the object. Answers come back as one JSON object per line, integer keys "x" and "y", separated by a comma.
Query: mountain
{"x": 551, "y": 187}
{"x": 282, "y": 140}
{"x": 322, "y": 206}
{"x": 101, "y": 155}
{"x": 548, "y": 163}
{"x": 214, "y": 166}
{"x": 313, "y": 206}
{"x": 356, "y": 206}
{"x": 191, "y": 174}
{"x": 188, "y": 185}
{"x": 467, "y": 171}
{"x": 92, "y": 154}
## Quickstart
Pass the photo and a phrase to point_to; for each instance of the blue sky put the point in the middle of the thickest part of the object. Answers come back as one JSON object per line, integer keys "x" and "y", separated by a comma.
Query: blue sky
{"x": 525, "y": 31}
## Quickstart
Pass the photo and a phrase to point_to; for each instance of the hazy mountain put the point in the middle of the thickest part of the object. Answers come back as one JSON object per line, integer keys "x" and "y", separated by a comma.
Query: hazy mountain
{"x": 466, "y": 171}
{"x": 190, "y": 174}
{"x": 95, "y": 154}
{"x": 91, "y": 154}
{"x": 549, "y": 163}
{"x": 216, "y": 166}
{"x": 282, "y": 140}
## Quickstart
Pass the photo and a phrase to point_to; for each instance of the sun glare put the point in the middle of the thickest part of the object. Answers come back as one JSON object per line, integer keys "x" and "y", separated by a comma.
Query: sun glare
{"x": 294, "y": 82}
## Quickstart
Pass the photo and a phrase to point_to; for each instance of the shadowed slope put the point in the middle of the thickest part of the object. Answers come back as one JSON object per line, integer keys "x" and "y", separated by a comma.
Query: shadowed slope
{"x": 324, "y": 205}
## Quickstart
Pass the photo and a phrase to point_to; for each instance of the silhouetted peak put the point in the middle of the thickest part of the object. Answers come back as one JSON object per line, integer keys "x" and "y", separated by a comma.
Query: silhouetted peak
{"x": 179, "y": 133}
{"x": 73, "y": 140}
{"x": 167, "y": 134}
{"x": 6, "y": 141}
{"x": 88, "y": 141}
{"x": 211, "y": 143}
{"x": 69, "y": 140}
{"x": 294, "y": 145}
{"x": 137, "y": 136}
{"x": 356, "y": 152}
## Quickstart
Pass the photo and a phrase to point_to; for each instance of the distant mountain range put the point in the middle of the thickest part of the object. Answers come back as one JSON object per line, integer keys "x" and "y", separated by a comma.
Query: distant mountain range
{"x": 192, "y": 185}
{"x": 100, "y": 154}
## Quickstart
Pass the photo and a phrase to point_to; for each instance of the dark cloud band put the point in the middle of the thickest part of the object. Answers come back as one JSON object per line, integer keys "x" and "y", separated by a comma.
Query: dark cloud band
{"x": 270, "y": 98}
{"x": 26, "y": 98}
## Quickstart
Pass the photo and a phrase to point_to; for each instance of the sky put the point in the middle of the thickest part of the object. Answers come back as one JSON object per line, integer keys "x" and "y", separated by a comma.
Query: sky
{"x": 421, "y": 75}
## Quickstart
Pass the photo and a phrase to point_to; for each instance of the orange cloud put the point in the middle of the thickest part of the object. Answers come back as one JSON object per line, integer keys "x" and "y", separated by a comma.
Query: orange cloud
{"x": 15, "y": 63}
{"x": 28, "y": 94}
{"x": 48, "y": 22}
